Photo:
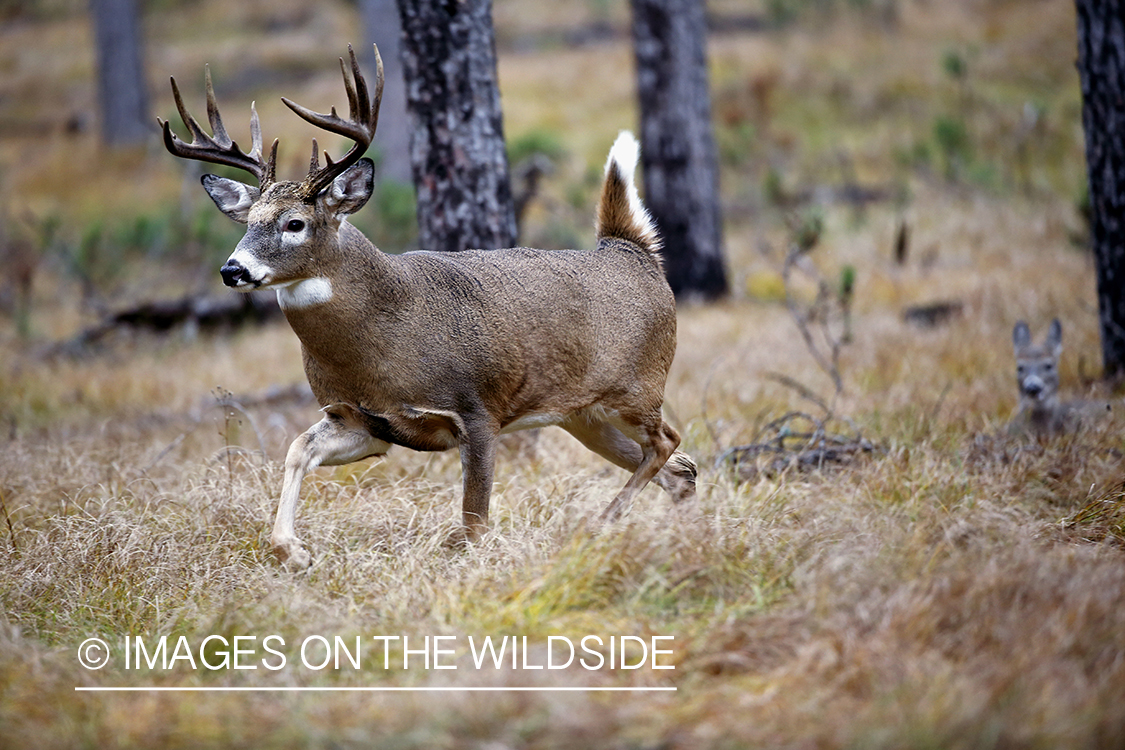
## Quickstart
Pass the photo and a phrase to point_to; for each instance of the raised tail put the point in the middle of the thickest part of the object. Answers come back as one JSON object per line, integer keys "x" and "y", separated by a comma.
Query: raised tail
{"x": 620, "y": 211}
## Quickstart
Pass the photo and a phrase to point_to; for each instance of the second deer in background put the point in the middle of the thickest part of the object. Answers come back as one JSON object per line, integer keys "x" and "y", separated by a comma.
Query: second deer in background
{"x": 1041, "y": 412}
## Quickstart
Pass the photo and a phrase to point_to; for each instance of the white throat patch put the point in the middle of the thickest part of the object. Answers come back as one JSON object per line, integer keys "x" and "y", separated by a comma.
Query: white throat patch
{"x": 305, "y": 293}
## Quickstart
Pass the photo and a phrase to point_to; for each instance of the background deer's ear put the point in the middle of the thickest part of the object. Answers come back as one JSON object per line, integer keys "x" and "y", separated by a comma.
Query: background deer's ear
{"x": 232, "y": 197}
{"x": 350, "y": 191}
{"x": 1021, "y": 335}
{"x": 1054, "y": 337}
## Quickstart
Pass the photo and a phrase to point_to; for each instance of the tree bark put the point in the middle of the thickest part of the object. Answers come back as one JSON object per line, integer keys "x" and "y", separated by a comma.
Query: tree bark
{"x": 1101, "y": 69}
{"x": 382, "y": 26}
{"x": 681, "y": 173}
{"x": 122, "y": 90}
{"x": 457, "y": 135}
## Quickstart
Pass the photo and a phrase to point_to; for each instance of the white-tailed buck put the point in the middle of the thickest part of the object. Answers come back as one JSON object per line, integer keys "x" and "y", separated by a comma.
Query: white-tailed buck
{"x": 435, "y": 351}
{"x": 1037, "y": 375}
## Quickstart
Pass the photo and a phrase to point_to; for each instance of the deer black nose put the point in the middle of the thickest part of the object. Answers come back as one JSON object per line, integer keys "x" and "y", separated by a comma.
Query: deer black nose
{"x": 234, "y": 272}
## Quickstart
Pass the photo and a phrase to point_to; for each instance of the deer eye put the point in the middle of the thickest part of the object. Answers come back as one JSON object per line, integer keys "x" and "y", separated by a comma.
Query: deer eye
{"x": 295, "y": 225}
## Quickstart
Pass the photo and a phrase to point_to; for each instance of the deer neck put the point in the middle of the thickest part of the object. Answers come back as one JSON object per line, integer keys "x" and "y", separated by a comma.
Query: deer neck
{"x": 354, "y": 288}
{"x": 1041, "y": 413}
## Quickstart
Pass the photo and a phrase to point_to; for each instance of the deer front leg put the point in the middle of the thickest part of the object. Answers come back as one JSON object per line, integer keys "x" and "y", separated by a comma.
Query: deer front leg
{"x": 339, "y": 438}
{"x": 478, "y": 462}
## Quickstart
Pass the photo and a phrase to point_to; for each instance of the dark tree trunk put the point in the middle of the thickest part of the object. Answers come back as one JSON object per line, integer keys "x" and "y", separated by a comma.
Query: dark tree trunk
{"x": 1101, "y": 69}
{"x": 382, "y": 26}
{"x": 122, "y": 91}
{"x": 681, "y": 173}
{"x": 457, "y": 140}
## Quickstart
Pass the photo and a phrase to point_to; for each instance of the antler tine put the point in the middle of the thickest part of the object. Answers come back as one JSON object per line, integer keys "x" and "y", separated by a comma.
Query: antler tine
{"x": 359, "y": 127}
{"x": 255, "y": 132}
{"x": 256, "y": 147}
{"x": 197, "y": 133}
{"x": 219, "y": 148}
{"x": 355, "y": 88}
{"x": 378, "y": 100}
{"x": 314, "y": 162}
{"x": 271, "y": 166}
{"x": 217, "y": 128}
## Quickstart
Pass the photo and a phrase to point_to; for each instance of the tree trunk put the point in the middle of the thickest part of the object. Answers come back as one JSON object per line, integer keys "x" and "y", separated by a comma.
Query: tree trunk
{"x": 681, "y": 173}
{"x": 457, "y": 135}
{"x": 382, "y": 26}
{"x": 122, "y": 91}
{"x": 1101, "y": 69}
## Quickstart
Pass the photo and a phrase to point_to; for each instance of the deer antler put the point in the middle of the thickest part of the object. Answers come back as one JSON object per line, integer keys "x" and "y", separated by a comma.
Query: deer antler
{"x": 220, "y": 149}
{"x": 359, "y": 127}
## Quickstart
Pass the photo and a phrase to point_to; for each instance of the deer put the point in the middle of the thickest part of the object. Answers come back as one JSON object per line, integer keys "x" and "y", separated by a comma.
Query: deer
{"x": 1040, "y": 411}
{"x": 436, "y": 351}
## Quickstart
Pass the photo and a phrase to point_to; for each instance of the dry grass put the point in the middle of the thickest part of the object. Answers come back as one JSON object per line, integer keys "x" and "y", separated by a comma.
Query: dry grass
{"x": 954, "y": 588}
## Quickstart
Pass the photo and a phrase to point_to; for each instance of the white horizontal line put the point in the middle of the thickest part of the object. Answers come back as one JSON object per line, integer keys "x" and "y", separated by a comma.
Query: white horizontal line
{"x": 292, "y": 689}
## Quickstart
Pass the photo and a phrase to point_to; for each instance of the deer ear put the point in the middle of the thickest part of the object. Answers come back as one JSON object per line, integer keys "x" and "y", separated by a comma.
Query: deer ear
{"x": 351, "y": 190}
{"x": 232, "y": 197}
{"x": 1054, "y": 337}
{"x": 1021, "y": 335}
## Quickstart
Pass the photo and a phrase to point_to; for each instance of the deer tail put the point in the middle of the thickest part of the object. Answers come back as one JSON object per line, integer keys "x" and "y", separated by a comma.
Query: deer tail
{"x": 620, "y": 213}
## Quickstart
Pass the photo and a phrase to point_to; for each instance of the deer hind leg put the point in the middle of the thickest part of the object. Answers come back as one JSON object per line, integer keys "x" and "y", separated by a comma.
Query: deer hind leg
{"x": 675, "y": 472}
{"x": 339, "y": 438}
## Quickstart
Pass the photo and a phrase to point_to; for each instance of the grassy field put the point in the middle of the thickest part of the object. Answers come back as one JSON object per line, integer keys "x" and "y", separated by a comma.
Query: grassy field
{"x": 950, "y": 586}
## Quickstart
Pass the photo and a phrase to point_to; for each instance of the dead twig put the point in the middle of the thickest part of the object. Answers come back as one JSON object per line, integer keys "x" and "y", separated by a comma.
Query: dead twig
{"x": 804, "y": 391}
{"x": 8, "y": 520}
{"x": 805, "y": 237}
{"x": 795, "y": 441}
{"x": 226, "y": 401}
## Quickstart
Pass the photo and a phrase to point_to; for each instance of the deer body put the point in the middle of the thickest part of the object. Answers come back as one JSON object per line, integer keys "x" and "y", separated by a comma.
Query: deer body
{"x": 514, "y": 331}
{"x": 434, "y": 351}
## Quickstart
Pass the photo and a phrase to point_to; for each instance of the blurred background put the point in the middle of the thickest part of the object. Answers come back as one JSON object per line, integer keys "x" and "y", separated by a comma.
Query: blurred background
{"x": 823, "y": 112}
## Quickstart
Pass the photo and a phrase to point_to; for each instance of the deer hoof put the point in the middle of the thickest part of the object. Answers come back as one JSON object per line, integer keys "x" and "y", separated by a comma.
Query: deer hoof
{"x": 460, "y": 538}
{"x": 292, "y": 555}
{"x": 682, "y": 473}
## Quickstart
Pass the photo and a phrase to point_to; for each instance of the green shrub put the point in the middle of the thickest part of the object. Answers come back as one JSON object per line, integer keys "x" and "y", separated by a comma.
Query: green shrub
{"x": 537, "y": 141}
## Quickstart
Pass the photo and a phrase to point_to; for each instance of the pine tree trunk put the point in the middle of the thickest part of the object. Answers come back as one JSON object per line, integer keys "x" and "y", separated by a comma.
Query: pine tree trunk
{"x": 122, "y": 90}
{"x": 681, "y": 173}
{"x": 1101, "y": 68}
{"x": 457, "y": 142}
{"x": 382, "y": 26}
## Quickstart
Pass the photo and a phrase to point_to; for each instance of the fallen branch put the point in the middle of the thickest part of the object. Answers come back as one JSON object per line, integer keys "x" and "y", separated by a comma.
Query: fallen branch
{"x": 207, "y": 313}
{"x": 796, "y": 441}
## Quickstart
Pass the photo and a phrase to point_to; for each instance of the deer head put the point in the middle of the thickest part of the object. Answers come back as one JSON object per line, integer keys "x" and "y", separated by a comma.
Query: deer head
{"x": 290, "y": 225}
{"x": 1037, "y": 367}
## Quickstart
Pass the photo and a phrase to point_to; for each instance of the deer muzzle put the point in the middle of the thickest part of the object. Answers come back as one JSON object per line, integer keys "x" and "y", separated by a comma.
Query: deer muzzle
{"x": 1033, "y": 386}
{"x": 235, "y": 274}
